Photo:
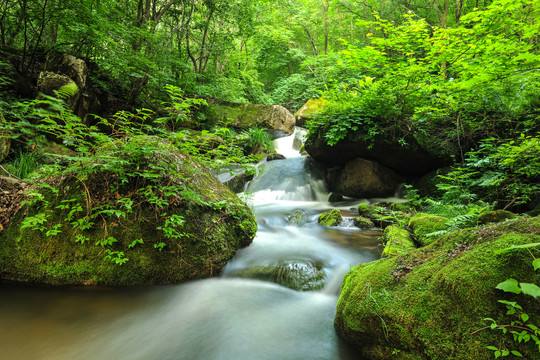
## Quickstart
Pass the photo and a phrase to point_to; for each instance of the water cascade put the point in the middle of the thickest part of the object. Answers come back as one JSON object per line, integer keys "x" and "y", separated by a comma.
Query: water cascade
{"x": 237, "y": 316}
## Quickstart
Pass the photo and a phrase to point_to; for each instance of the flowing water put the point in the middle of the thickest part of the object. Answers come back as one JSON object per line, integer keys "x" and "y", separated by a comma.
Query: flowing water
{"x": 222, "y": 318}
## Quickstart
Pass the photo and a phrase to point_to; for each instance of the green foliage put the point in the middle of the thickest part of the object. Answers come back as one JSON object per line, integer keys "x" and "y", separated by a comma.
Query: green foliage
{"x": 520, "y": 328}
{"x": 257, "y": 139}
{"x": 179, "y": 108}
{"x": 504, "y": 171}
{"x": 118, "y": 161}
{"x": 24, "y": 164}
{"x": 404, "y": 88}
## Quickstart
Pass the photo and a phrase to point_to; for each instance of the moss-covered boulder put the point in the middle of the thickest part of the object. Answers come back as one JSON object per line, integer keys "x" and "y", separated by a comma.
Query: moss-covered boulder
{"x": 424, "y": 224}
{"x": 430, "y": 303}
{"x": 397, "y": 241}
{"x": 495, "y": 216}
{"x": 145, "y": 215}
{"x": 382, "y": 214}
{"x": 309, "y": 110}
{"x": 363, "y": 223}
{"x": 369, "y": 211}
{"x": 330, "y": 218}
{"x": 245, "y": 116}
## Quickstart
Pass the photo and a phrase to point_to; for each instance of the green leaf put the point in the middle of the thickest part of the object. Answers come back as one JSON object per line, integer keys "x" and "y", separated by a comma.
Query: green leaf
{"x": 536, "y": 264}
{"x": 513, "y": 247}
{"x": 524, "y": 317}
{"x": 516, "y": 353}
{"x": 492, "y": 348}
{"x": 510, "y": 285}
{"x": 530, "y": 289}
{"x": 497, "y": 354}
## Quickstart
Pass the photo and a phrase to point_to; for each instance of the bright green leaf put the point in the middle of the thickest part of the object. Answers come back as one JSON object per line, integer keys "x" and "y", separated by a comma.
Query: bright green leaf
{"x": 510, "y": 285}
{"x": 530, "y": 289}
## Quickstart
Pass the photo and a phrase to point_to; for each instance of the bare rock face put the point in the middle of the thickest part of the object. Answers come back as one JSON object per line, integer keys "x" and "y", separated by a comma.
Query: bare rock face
{"x": 245, "y": 116}
{"x": 362, "y": 178}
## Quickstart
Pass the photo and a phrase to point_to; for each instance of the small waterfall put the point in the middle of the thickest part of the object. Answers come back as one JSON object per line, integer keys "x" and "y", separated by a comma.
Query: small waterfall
{"x": 289, "y": 179}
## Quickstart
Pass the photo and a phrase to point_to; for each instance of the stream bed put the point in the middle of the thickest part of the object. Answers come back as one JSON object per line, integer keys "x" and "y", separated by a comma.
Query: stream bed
{"x": 224, "y": 318}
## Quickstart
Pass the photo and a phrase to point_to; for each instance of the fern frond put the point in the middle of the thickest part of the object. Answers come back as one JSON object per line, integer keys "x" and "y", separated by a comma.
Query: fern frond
{"x": 67, "y": 91}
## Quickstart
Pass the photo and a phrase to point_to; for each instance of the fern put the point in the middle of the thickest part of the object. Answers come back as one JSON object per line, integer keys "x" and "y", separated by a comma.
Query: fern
{"x": 67, "y": 91}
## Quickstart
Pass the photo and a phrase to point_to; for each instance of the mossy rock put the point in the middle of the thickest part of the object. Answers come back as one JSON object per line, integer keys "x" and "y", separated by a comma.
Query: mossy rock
{"x": 309, "y": 110}
{"x": 330, "y": 218}
{"x": 397, "y": 241}
{"x": 296, "y": 275}
{"x": 297, "y": 218}
{"x": 381, "y": 214}
{"x": 370, "y": 211}
{"x": 363, "y": 223}
{"x": 495, "y": 216}
{"x": 245, "y": 116}
{"x": 405, "y": 207}
{"x": 424, "y": 224}
{"x": 429, "y": 304}
{"x": 214, "y": 224}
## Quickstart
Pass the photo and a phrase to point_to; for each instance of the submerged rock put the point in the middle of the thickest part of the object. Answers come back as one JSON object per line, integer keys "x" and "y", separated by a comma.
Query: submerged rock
{"x": 93, "y": 229}
{"x": 300, "y": 275}
{"x": 429, "y": 303}
{"x": 330, "y": 218}
{"x": 297, "y": 218}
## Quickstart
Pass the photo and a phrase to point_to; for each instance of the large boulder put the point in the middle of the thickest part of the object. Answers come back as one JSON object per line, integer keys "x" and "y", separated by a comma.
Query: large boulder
{"x": 86, "y": 100}
{"x": 68, "y": 65}
{"x": 309, "y": 110}
{"x": 159, "y": 217}
{"x": 363, "y": 178}
{"x": 58, "y": 85}
{"x": 245, "y": 116}
{"x": 429, "y": 303}
{"x": 406, "y": 159}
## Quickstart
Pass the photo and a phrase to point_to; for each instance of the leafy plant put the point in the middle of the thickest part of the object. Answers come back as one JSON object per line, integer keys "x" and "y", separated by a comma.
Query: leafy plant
{"x": 521, "y": 329}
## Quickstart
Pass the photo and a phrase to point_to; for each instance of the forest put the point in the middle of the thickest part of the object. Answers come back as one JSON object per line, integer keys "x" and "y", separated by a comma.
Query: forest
{"x": 115, "y": 115}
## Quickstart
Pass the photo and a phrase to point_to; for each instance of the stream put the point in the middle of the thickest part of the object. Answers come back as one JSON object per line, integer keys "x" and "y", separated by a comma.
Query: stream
{"x": 230, "y": 317}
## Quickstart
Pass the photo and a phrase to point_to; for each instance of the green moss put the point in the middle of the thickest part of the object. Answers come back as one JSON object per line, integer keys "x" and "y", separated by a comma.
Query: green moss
{"x": 363, "y": 223}
{"x": 495, "y": 216}
{"x": 429, "y": 302}
{"x": 331, "y": 218}
{"x": 424, "y": 224}
{"x": 311, "y": 108}
{"x": 369, "y": 211}
{"x": 397, "y": 241}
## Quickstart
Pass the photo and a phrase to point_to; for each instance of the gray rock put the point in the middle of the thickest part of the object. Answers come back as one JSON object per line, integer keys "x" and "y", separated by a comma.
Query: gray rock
{"x": 364, "y": 178}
